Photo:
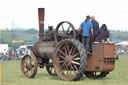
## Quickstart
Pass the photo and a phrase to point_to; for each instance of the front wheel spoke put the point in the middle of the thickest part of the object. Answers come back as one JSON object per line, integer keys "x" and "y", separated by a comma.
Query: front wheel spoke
{"x": 32, "y": 65}
{"x": 31, "y": 71}
{"x": 75, "y": 63}
{"x": 31, "y": 59}
{"x": 26, "y": 71}
{"x": 25, "y": 66}
{"x": 26, "y": 62}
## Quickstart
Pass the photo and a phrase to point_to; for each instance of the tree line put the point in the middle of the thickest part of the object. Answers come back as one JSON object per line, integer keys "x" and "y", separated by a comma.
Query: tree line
{"x": 28, "y": 35}
{"x": 31, "y": 35}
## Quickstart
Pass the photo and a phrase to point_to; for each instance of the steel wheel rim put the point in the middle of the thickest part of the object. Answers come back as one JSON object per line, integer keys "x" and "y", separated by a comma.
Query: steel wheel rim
{"x": 69, "y": 63}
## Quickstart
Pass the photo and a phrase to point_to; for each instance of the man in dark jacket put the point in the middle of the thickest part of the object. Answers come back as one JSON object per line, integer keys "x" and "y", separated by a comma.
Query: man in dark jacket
{"x": 95, "y": 25}
{"x": 102, "y": 34}
{"x": 95, "y": 29}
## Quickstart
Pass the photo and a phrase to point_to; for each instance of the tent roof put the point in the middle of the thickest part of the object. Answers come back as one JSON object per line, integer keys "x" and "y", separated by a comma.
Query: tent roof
{"x": 122, "y": 43}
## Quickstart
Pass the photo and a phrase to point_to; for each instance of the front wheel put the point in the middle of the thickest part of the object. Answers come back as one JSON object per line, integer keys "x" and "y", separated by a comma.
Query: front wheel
{"x": 29, "y": 66}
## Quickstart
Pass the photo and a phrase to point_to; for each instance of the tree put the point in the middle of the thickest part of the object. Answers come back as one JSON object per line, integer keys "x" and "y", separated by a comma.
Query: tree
{"x": 31, "y": 31}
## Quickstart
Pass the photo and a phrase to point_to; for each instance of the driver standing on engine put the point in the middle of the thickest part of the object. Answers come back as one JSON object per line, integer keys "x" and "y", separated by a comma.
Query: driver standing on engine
{"x": 87, "y": 29}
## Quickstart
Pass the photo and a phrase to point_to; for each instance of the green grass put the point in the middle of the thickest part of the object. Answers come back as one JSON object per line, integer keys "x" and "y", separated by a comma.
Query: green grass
{"x": 12, "y": 76}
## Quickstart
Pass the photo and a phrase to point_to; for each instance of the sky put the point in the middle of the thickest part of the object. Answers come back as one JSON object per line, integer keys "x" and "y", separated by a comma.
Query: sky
{"x": 24, "y": 13}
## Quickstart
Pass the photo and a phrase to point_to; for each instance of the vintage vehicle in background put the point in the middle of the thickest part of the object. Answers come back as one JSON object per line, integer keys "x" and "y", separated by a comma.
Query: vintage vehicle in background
{"x": 22, "y": 50}
{"x": 63, "y": 54}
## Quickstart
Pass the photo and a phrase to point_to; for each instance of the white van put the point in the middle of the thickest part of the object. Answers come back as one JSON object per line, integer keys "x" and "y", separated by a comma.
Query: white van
{"x": 4, "y": 48}
{"x": 21, "y": 51}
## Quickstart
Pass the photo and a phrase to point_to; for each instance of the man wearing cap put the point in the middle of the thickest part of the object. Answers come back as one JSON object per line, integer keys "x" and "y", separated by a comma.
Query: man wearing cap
{"x": 87, "y": 30}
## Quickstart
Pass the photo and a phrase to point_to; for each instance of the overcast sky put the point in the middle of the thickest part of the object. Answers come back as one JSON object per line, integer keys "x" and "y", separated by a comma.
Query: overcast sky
{"x": 24, "y": 13}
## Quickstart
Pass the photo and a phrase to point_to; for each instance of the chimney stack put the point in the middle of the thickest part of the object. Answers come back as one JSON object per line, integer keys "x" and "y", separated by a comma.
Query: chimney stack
{"x": 41, "y": 23}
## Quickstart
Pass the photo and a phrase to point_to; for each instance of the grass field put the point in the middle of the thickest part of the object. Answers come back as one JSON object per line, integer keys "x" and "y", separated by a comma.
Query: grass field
{"x": 12, "y": 76}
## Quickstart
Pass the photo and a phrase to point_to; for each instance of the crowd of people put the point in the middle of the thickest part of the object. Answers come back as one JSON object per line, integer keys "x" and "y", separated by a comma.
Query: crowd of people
{"x": 8, "y": 55}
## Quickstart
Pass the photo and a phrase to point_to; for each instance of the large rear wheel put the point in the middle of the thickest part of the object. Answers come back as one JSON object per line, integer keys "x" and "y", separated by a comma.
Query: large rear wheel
{"x": 70, "y": 59}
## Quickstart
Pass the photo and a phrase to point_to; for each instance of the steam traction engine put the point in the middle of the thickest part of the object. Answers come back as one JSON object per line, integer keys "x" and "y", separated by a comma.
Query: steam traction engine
{"x": 63, "y": 54}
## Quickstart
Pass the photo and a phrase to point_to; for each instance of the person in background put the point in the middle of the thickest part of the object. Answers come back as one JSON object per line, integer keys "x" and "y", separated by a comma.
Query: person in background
{"x": 102, "y": 34}
{"x": 87, "y": 29}
{"x": 3, "y": 57}
{"x": 0, "y": 55}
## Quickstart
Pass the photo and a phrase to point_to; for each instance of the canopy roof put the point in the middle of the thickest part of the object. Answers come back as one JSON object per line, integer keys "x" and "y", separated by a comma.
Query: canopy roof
{"x": 122, "y": 43}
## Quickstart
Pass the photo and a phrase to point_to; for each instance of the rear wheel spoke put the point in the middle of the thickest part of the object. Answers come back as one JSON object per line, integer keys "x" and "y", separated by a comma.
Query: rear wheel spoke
{"x": 77, "y": 54}
{"x": 67, "y": 71}
{"x": 67, "y": 47}
{"x": 61, "y": 61}
{"x": 72, "y": 68}
{"x": 61, "y": 56}
{"x": 75, "y": 67}
{"x": 77, "y": 59}
{"x": 62, "y": 52}
{"x": 65, "y": 51}
{"x": 62, "y": 65}
{"x": 74, "y": 62}
{"x": 73, "y": 51}
{"x": 70, "y": 52}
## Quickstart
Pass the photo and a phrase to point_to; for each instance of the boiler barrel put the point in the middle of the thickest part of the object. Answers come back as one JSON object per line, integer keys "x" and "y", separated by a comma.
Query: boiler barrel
{"x": 46, "y": 48}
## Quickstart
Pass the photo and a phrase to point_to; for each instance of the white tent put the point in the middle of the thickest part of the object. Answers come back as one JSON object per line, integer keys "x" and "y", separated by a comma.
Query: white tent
{"x": 123, "y": 43}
